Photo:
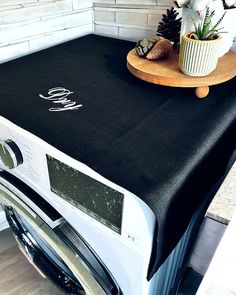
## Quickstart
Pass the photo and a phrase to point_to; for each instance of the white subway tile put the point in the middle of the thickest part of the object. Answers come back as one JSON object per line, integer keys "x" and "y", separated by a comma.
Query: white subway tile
{"x": 4, "y": 44}
{"x": 6, "y": 7}
{"x": 137, "y": 2}
{"x": 16, "y": 2}
{"x": 106, "y": 30}
{"x": 165, "y": 2}
{"x": 154, "y": 19}
{"x": 59, "y": 37}
{"x": 104, "y": 16}
{"x": 104, "y": 1}
{"x": 78, "y": 4}
{"x": 13, "y": 51}
{"x": 135, "y": 34}
{"x": 46, "y": 26}
{"x": 46, "y": 1}
{"x": 5, "y": 27}
{"x": 131, "y": 18}
{"x": 27, "y": 13}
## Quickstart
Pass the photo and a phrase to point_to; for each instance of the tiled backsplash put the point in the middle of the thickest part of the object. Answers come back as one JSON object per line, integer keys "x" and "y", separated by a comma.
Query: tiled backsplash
{"x": 127, "y": 23}
{"x": 134, "y": 2}
{"x": 30, "y": 25}
{"x": 129, "y": 19}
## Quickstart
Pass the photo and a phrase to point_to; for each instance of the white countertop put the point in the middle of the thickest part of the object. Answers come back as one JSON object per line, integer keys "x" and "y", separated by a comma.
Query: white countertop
{"x": 224, "y": 203}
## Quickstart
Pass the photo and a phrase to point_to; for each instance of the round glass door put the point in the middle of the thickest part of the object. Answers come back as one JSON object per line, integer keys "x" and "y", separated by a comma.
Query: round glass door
{"x": 57, "y": 250}
{"x": 42, "y": 254}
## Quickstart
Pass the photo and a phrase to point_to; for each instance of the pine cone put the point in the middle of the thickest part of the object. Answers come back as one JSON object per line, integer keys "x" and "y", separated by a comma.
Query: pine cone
{"x": 170, "y": 26}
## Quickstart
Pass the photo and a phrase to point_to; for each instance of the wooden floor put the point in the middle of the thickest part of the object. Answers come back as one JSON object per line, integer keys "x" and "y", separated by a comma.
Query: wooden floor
{"x": 17, "y": 275}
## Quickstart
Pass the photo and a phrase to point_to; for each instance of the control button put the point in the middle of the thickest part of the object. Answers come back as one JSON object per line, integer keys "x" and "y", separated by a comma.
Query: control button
{"x": 10, "y": 154}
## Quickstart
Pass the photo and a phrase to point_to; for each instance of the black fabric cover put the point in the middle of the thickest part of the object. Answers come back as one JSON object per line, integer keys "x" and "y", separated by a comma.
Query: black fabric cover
{"x": 160, "y": 143}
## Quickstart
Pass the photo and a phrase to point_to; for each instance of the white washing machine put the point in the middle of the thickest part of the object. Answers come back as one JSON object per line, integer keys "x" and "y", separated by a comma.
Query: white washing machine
{"x": 54, "y": 202}
{"x": 105, "y": 178}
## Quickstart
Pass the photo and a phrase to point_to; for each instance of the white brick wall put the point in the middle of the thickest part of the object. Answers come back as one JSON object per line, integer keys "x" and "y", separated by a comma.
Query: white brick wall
{"x": 128, "y": 23}
{"x": 30, "y": 25}
{"x": 104, "y": 1}
{"x": 137, "y": 2}
{"x": 47, "y": 40}
{"x": 36, "y": 11}
{"x": 105, "y": 16}
{"x": 129, "y": 19}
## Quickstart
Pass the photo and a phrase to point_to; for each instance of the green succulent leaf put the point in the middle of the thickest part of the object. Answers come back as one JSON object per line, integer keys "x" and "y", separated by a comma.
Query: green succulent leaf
{"x": 205, "y": 30}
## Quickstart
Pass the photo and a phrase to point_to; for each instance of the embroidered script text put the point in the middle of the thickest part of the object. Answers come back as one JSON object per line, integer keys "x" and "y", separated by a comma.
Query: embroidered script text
{"x": 59, "y": 95}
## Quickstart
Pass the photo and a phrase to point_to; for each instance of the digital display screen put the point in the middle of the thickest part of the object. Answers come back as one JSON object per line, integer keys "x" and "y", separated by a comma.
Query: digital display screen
{"x": 94, "y": 198}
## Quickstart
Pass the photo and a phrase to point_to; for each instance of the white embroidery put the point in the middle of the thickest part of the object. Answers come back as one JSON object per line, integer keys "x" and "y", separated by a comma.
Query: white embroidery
{"x": 59, "y": 95}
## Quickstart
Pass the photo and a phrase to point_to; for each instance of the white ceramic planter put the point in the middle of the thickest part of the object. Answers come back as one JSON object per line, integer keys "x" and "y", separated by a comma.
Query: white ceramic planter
{"x": 198, "y": 58}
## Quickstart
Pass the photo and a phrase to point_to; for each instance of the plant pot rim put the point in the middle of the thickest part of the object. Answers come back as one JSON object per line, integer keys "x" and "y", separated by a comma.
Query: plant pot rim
{"x": 229, "y": 8}
{"x": 185, "y": 36}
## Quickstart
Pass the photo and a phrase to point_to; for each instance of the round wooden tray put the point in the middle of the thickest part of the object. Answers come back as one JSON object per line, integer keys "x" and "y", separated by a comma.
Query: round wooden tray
{"x": 166, "y": 72}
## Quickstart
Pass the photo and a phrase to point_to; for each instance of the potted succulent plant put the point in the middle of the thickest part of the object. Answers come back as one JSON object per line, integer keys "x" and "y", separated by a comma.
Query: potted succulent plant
{"x": 199, "y": 50}
{"x": 197, "y": 8}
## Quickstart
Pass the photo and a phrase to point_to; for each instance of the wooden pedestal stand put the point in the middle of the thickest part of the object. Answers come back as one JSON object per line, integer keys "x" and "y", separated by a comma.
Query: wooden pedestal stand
{"x": 166, "y": 72}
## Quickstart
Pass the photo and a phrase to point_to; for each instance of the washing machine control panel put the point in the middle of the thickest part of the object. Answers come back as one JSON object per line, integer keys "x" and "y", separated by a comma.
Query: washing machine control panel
{"x": 10, "y": 154}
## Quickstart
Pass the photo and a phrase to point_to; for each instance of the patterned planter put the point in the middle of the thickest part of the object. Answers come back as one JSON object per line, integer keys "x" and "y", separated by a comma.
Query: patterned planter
{"x": 198, "y": 58}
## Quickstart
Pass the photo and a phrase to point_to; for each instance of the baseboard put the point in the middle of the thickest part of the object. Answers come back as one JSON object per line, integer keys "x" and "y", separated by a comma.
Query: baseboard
{"x": 3, "y": 222}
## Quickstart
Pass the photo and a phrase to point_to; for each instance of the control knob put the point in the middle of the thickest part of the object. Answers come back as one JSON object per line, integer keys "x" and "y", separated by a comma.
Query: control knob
{"x": 10, "y": 154}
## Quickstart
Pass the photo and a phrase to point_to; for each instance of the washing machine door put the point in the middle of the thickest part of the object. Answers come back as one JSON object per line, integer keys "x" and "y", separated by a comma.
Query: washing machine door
{"x": 59, "y": 253}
